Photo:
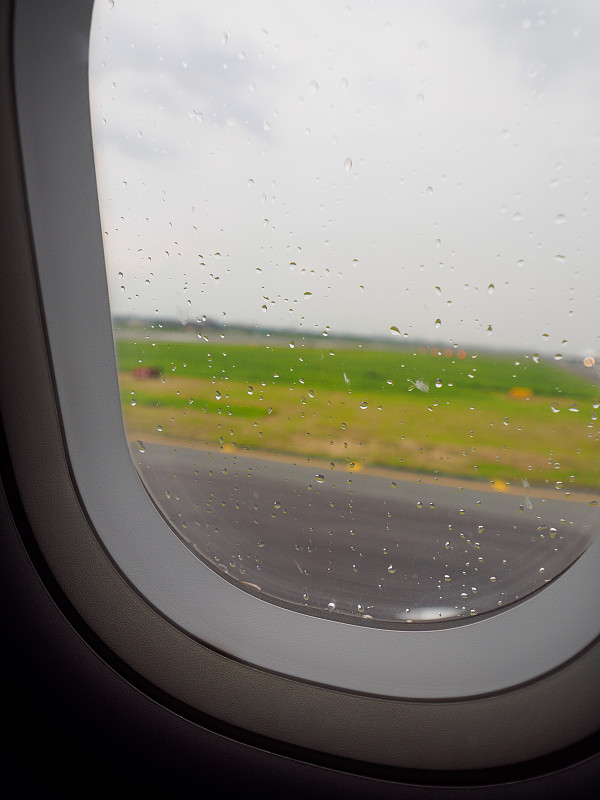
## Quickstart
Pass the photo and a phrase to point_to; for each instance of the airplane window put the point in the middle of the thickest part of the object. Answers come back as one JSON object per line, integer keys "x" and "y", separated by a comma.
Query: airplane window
{"x": 350, "y": 251}
{"x": 500, "y": 100}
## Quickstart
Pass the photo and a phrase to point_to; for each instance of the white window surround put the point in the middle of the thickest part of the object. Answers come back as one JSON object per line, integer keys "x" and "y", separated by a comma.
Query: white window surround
{"x": 481, "y": 658}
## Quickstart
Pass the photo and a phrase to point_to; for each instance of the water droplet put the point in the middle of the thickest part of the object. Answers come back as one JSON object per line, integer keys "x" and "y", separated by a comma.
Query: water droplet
{"x": 560, "y": 258}
{"x": 559, "y": 219}
{"x": 307, "y": 294}
{"x": 391, "y": 569}
{"x": 319, "y": 478}
{"x": 573, "y": 407}
{"x": 313, "y": 86}
{"x": 536, "y": 358}
{"x": 159, "y": 428}
{"x": 557, "y": 356}
{"x": 364, "y": 405}
{"x": 331, "y": 606}
{"x": 140, "y": 446}
{"x": 276, "y": 504}
{"x": 348, "y": 164}
{"x": 292, "y": 345}
{"x": 491, "y": 288}
{"x": 394, "y": 329}
{"x": 218, "y": 395}
{"x": 555, "y": 408}
{"x": 438, "y": 383}
{"x": 438, "y": 323}
{"x": 250, "y": 390}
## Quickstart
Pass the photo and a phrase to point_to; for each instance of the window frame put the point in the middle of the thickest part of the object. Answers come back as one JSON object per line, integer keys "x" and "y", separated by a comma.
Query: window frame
{"x": 435, "y": 697}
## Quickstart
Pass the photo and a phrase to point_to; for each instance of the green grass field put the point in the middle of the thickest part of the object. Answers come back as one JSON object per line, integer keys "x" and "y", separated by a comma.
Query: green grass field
{"x": 388, "y": 408}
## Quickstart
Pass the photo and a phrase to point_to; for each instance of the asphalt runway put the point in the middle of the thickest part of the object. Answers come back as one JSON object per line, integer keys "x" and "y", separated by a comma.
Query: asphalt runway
{"x": 386, "y": 546}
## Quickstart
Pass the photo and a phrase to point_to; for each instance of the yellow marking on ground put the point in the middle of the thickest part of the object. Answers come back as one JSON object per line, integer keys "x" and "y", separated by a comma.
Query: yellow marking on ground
{"x": 521, "y": 392}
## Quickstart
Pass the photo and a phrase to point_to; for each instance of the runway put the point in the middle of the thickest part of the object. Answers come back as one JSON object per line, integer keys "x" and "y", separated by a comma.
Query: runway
{"x": 386, "y": 546}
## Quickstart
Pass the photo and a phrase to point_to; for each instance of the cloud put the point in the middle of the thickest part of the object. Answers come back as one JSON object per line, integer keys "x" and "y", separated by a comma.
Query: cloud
{"x": 552, "y": 42}
{"x": 412, "y": 146}
{"x": 187, "y": 70}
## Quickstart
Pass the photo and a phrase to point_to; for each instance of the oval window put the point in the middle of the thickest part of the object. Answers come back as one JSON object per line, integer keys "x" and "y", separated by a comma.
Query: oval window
{"x": 350, "y": 252}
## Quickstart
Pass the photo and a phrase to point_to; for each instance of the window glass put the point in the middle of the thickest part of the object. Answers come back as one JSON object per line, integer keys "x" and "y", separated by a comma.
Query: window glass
{"x": 351, "y": 256}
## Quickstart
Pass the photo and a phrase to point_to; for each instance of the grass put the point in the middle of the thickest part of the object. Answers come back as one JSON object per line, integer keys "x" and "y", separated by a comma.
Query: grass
{"x": 450, "y": 416}
{"x": 390, "y": 372}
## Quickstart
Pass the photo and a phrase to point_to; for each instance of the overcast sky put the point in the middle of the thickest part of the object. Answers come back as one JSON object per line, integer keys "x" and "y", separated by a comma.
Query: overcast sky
{"x": 426, "y": 166}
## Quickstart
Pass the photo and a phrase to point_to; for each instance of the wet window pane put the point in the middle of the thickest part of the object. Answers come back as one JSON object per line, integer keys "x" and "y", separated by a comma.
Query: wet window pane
{"x": 351, "y": 256}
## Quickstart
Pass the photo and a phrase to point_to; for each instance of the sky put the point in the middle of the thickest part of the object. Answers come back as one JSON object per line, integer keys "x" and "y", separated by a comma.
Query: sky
{"x": 402, "y": 169}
